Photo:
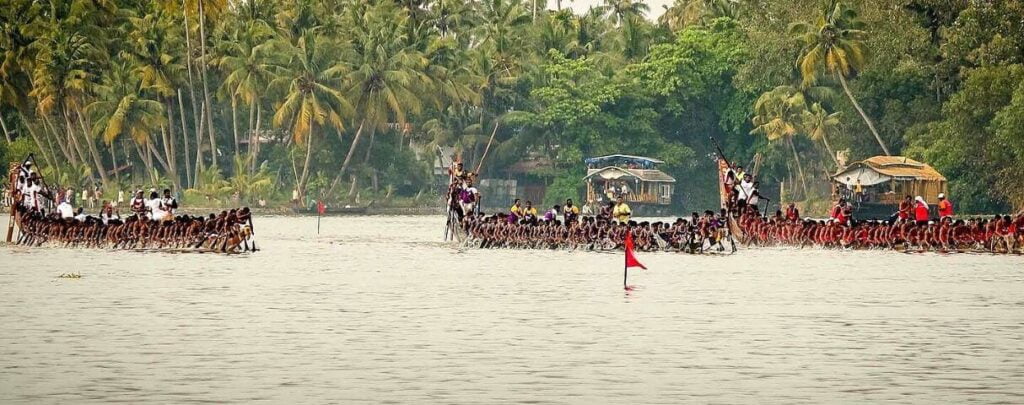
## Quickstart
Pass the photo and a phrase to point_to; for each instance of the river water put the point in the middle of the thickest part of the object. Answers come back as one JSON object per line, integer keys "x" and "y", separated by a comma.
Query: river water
{"x": 377, "y": 310}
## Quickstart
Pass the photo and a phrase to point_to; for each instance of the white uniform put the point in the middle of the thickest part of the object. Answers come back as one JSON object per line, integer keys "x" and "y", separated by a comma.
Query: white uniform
{"x": 156, "y": 209}
{"x": 106, "y": 218}
{"x": 168, "y": 205}
{"x": 31, "y": 193}
{"x": 66, "y": 210}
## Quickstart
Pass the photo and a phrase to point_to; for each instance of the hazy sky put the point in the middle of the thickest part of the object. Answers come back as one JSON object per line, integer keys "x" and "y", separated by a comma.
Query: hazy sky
{"x": 582, "y": 5}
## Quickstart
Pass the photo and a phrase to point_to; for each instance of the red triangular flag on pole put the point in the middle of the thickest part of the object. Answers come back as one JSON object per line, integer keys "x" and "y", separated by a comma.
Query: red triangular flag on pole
{"x": 631, "y": 260}
{"x": 320, "y": 207}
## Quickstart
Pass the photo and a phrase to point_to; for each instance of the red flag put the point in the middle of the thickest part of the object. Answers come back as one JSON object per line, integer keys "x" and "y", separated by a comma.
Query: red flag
{"x": 631, "y": 260}
{"x": 320, "y": 207}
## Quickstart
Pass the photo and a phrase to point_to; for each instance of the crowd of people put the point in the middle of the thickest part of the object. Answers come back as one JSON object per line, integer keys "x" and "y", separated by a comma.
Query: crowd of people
{"x": 49, "y": 215}
{"x": 568, "y": 226}
{"x": 911, "y": 228}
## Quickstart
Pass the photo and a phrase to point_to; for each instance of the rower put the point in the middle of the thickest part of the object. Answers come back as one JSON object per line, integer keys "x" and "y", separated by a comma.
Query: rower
{"x": 138, "y": 204}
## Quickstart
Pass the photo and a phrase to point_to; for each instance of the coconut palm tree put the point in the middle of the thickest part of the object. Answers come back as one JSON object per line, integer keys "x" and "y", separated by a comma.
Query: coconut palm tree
{"x": 687, "y": 12}
{"x": 247, "y": 61}
{"x": 779, "y": 114}
{"x": 155, "y": 49}
{"x": 61, "y": 79}
{"x": 819, "y": 125}
{"x": 311, "y": 96}
{"x": 834, "y": 44}
{"x": 384, "y": 77}
{"x": 123, "y": 110}
{"x": 623, "y": 9}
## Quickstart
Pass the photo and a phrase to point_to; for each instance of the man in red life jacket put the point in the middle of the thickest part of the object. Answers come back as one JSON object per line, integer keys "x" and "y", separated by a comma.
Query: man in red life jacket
{"x": 906, "y": 206}
{"x": 840, "y": 212}
{"x": 921, "y": 211}
{"x": 792, "y": 213}
{"x": 945, "y": 206}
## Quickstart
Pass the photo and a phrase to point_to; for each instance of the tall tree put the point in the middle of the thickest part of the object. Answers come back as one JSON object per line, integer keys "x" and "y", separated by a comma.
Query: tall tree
{"x": 311, "y": 96}
{"x": 779, "y": 115}
{"x": 384, "y": 77}
{"x": 834, "y": 44}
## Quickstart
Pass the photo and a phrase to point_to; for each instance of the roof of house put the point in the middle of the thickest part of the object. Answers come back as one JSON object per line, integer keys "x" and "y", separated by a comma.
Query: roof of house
{"x": 615, "y": 172}
{"x": 897, "y": 166}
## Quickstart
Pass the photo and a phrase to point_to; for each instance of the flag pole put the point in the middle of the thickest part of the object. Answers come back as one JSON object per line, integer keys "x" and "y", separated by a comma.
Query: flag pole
{"x": 625, "y": 264}
{"x": 318, "y": 217}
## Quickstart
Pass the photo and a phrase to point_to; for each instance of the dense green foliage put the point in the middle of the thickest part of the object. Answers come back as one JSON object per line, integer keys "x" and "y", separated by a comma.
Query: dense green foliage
{"x": 350, "y": 98}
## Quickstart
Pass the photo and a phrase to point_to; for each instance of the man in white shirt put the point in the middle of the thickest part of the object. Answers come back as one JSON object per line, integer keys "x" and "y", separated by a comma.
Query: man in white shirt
{"x": 65, "y": 209}
{"x": 80, "y": 216}
{"x": 31, "y": 194}
{"x": 746, "y": 188}
{"x": 156, "y": 211}
{"x": 168, "y": 203}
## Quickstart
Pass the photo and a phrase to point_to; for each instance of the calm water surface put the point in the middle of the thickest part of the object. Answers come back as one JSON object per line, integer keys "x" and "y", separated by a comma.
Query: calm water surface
{"x": 376, "y": 310}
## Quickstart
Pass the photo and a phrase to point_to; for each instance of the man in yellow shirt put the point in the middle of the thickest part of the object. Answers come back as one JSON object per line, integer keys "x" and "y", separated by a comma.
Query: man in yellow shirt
{"x": 570, "y": 212}
{"x": 621, "y": 212}
{"x": 516, "y": 208}
{"x": 529, "y": 212}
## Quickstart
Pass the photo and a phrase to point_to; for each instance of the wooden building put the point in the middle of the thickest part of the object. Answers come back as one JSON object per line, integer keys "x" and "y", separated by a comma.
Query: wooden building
{"x": 876, "y": 185}
{"x": 635, "y": 178}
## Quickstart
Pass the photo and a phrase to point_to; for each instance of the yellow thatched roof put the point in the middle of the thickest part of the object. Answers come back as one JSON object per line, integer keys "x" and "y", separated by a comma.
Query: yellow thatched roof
{"x": 897, "y": 166}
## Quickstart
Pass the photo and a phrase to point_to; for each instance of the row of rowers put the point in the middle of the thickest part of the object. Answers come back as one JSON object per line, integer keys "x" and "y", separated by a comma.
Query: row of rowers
{"x": 155, "y": 208}
{"x": 570, "y": 212}
{"x": 1000, "y": 234}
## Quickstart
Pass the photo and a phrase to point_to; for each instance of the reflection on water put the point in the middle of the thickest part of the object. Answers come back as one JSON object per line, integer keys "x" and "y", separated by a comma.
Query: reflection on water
{"x": 375, "y": 309}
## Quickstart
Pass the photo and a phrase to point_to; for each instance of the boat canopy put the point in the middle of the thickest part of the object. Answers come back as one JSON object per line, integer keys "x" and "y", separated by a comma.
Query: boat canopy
{"x": 620, "y": 173}
{"x": 616, "y": 160}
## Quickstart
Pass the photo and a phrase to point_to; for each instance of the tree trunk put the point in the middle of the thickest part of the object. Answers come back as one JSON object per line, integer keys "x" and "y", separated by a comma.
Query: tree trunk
{"x": 256, "y": 138}
{"x": 799, "y": 167}
{"x": 352, "y": 188}
{"x": 77, "y": 145}
{"x": 867, "y": 120}
{"x": 206, "y": 90}
{"x": 184, "y": 138}
{"x": 305, "y": 165}
{"x": 147, "y": 160}
{"x": 113, "y": 159}
{"x": 199, "y": 144}
{"x": 96, "y": 160}
{"x": 170, "y": 170}
{"x": 48, "y": 157}
{"x": 487, "y": 148}
{"x": 167, "y": 162}
{"x": 196, "y": 117}
{"x": 824, "y": 139}
{"x": 172, "y": 156}
{"x": 6, "y": 133}
{"x": 64, "y": 150}
{"x": 348, "y": 158}
{"x": 69, "y": 138}
{"x": 252, "y": 123}
{"x": 234, "y": 121}
{"x": 369, "y": 148}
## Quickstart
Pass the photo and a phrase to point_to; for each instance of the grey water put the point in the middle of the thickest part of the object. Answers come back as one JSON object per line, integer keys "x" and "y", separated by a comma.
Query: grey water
{"x": 379, "y": 310}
